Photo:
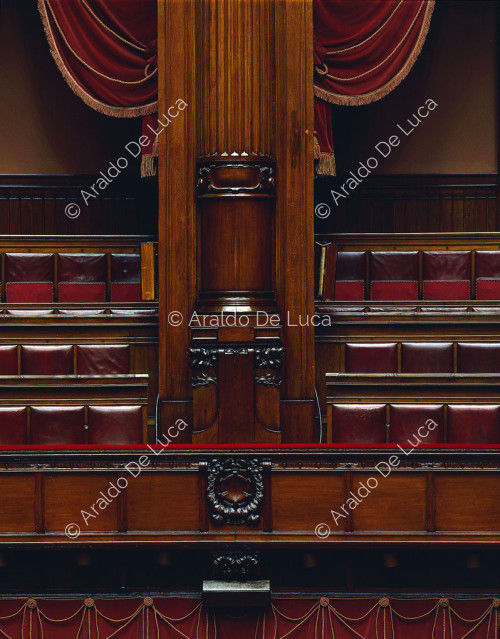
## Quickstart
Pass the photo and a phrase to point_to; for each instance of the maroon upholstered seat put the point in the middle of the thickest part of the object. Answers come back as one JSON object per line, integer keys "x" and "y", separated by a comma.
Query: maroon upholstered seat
{"x": 100, "y": 359}
{"x": 394, "y": 275}
{"x": 125, "y": 277}
{"x": 82, "y": 277}
{"x": 410, "y": 421}
{"x": 447, "y": 275}
{"x": 473, "y": 424}
{"x": 8, "y": 360}
{"x": 350, "y": 275}
{"x": 115, "y": 425}
{"x": 358, "y": 423}
{"x": 427, "y": 357}
{"x": 46, "y": 360}
{"x": 488, "y": 275}
{"x": 13, "y": 425}
{"x": 57, "y": 425}
{"x": 478, "y": 357}
{"x": 371, "y": 358}
{"x": 29, "y": 277}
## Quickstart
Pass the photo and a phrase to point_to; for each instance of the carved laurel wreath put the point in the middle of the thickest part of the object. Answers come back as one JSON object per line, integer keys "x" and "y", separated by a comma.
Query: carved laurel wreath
{"x": 248, "y": 510}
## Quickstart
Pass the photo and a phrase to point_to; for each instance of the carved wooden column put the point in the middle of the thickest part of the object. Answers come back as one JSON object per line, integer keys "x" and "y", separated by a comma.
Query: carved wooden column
{"x": 236, "y": 238}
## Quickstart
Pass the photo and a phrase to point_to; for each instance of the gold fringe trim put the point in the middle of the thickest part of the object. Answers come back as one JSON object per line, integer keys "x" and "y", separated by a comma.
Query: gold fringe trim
{"x": 101, "y": 107}
{"x": 148, "y": 166}
{"x": 324, "y": 164}
{"x": 373, "y": 96}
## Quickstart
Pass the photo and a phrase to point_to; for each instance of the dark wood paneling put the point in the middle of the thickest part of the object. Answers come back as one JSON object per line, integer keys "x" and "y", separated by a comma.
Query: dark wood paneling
{"x": 157, "y": 501}
{"x": 66, "y": 495}
{"x": 17, "y": 502}
{"x": 411, "y": 204}
{"x": 299, "y": 506}
{"x": 396, "y": 502}
{"x": 432, "y": 496}
{"x": 35, "y": 204}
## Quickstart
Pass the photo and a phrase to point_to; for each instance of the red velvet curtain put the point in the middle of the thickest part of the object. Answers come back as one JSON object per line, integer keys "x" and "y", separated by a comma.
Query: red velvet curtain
{"x": 107, "y": 53}
{"x": 362, "y": 50}
{"x": 167, "y": 617}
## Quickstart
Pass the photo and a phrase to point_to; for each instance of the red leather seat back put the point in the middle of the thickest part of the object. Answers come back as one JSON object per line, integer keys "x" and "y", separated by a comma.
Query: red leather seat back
{"x": 488, "y": 275}
{"x": 350, "y": 274}
{"x": 447, "y": 275}
{"x": 371, "y": 358}
{"x": 46, "y": 360}
{"x": 100, "y": 359}
{"x": 29, "y": 277}
{"x": 13, "y": 425}
{"x": 427, "y": 357}
{"x": 358, "y": 423}
{"x": 473, "y": 424}
{"x": 409, "y": 423}
{"x": 8, "y": 360}
{"x": 115, "y": 425}
{"x": 82, "y": 277}
{"x": 52, "y": 425}
{"x": 394, "y": 275}
{"x": 478, "y": 357}
{"x": 125, "y": 277}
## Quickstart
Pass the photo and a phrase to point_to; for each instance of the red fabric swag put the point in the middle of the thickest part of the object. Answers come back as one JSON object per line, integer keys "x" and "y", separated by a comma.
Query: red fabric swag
{"x": 362, "y": 51}
{"x": 298, "y": 618}
{"x": 107, "y": 52}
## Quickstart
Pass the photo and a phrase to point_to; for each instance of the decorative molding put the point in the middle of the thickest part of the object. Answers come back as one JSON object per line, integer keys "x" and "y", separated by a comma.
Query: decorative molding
{"x": 269, "y": 357}
{"x": 235, "y": 490}
{"x": 202, "y": 357}
{"x": 203, "y": 379}
{"x": 236, "y": 566}
{"x": 265, "y": 356}
{"x": 235, "y": 179}
{"x": 268, "y": 379}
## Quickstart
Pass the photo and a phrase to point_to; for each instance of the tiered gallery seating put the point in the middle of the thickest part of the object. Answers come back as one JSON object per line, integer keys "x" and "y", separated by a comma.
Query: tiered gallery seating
{"x": 414, "y": 267}
{"x": 73, "y": 410}
{"x": 78, "y": 332}
{"x": 403, "y": 349}
{"x": 422, "y": 357}
{"x": 40, "y": 271}
{"x": 442, "y": 421}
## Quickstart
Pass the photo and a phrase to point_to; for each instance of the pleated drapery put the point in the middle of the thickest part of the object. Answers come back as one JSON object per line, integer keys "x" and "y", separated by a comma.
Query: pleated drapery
{"x": 362, "y": 51}
{"x": 108, "y": 54}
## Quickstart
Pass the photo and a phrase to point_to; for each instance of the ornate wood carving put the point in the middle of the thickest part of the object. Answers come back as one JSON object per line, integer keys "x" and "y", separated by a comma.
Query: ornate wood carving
{"x": 236, "y": 179}
{"x": 236, "y": 566}
{"x": 235, "y": 490}
{"x": 206, "y": 357}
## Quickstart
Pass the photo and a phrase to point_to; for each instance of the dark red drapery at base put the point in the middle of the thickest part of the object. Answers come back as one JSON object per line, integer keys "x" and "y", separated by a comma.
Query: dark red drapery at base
{"x": 108, "y": 54}
{"x": 187, "y": 618}
{"x": 362, "y": 51}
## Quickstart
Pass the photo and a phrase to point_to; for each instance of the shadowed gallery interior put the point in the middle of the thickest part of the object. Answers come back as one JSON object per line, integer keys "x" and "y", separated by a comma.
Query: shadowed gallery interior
{"x": 249, "y": 319}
